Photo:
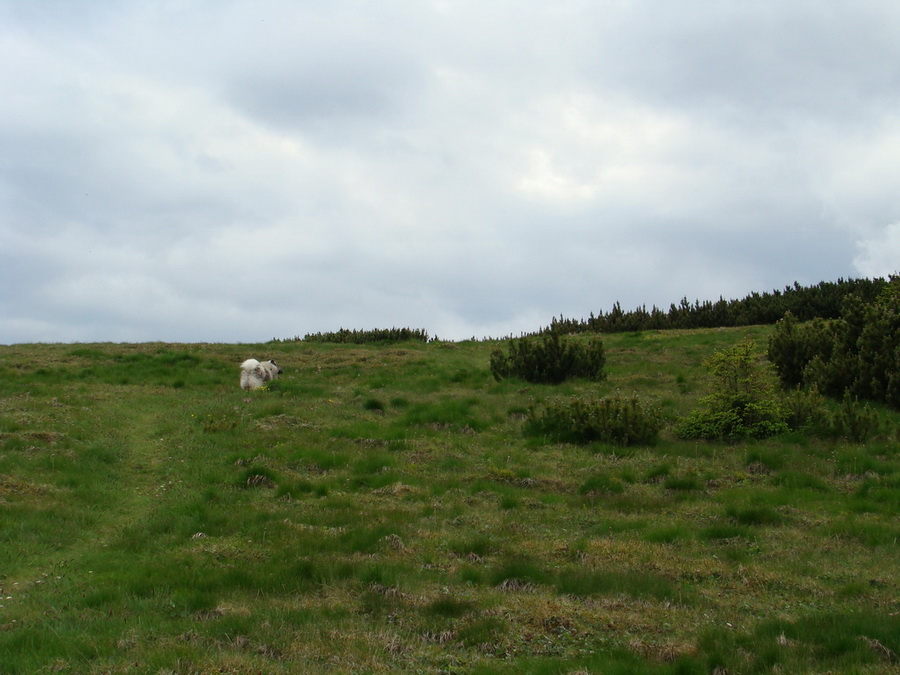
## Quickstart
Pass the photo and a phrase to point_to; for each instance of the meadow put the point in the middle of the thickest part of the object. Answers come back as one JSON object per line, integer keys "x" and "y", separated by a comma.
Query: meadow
{"x": 379, "y": 509}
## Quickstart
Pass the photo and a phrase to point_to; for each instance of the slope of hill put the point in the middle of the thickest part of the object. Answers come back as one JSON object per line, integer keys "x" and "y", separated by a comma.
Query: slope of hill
{"x": 379, "y": 509}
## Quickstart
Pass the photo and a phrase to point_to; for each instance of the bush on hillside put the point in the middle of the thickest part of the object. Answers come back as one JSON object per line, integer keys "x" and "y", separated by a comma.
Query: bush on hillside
{"x": 859, "y": 353}
{"x": 792, "y": 347}
{"x": 743, "y": 403}
{"x": 806, "y": 410}
{"x": 853, "y": 421}
{"x": 550, "y": 360}
{"x": 614, "y": 420}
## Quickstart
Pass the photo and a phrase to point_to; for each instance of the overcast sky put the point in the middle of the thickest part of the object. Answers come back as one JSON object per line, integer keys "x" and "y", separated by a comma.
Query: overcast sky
{"x": 234, "y": 171}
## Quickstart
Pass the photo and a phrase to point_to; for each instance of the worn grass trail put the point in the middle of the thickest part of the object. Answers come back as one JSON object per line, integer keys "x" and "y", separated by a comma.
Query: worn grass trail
{"x": 108, "y": 465}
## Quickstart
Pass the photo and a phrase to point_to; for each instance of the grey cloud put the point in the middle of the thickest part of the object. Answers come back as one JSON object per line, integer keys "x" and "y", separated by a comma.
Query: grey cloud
{"x": 238, "y": 171}
{"x": 824, "y": 59}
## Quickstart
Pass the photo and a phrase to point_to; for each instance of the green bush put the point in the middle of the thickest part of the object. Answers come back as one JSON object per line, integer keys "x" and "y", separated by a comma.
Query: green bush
{"x": 550, "y": 360}
{"x": 853, "y": 421}
{"x": 743, "y": 403}
{"x": 744, "y": 422}
{"x": 792, "y": 347}
{"x": 858, "y": 353}
{"x": 805, "y": 410}
{"x": 613, "y": 420}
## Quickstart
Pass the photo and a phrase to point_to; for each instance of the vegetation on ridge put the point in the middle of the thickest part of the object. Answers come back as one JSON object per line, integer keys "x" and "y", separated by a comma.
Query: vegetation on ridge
{"x": 823, "y": 301}
{"x": 358, "y": 337}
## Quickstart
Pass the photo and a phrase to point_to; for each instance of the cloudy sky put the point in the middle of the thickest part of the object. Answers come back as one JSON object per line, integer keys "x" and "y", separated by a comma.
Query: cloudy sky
{"x": 238, "y": 170}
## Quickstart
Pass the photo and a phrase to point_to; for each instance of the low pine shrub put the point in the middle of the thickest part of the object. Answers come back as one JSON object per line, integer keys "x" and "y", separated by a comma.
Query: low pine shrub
{"x": 550, "y": 360}
{"x": 857, "y": 353}
{"x": 791, "y": 347}
{"x": 743, "y": 403}
{"x": 613, "y": 420}
{"x": 744, "y": 420}
{"x": 853, "y": 421}
{"x": 805, "y": 410}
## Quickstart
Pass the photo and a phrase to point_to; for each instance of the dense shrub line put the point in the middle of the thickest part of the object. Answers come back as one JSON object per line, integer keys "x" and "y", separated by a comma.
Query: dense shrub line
{"x": 379, "y": 335}
{"x": 824, "y": 300}
{"x": 857, "y": 353}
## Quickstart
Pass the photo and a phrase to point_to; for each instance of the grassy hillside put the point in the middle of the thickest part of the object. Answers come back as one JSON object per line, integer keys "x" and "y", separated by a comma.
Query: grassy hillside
{"x": 380, "y": 510}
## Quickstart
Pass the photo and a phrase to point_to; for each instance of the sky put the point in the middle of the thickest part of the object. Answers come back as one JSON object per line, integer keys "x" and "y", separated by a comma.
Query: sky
{"x": 240, "y": 170}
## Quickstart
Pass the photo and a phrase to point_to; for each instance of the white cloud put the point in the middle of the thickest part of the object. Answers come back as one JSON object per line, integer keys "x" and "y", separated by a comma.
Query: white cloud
{"x": 879, "y": 256}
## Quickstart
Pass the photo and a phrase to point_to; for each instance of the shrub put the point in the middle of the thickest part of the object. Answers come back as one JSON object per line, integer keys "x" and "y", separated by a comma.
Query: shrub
{"x": 805, "y": 409}
{"x": 613, "y": 420}
{"x": 791, "y": 347}
{"x": 853, "y": 421}
{"x": 550, "y": 360}
{"x": 858, "y": 353}
{"x": 743, "y": 404}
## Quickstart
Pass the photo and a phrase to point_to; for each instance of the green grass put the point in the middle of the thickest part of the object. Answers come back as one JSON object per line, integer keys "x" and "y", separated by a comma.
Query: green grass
{"x": 380, "y": 509}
